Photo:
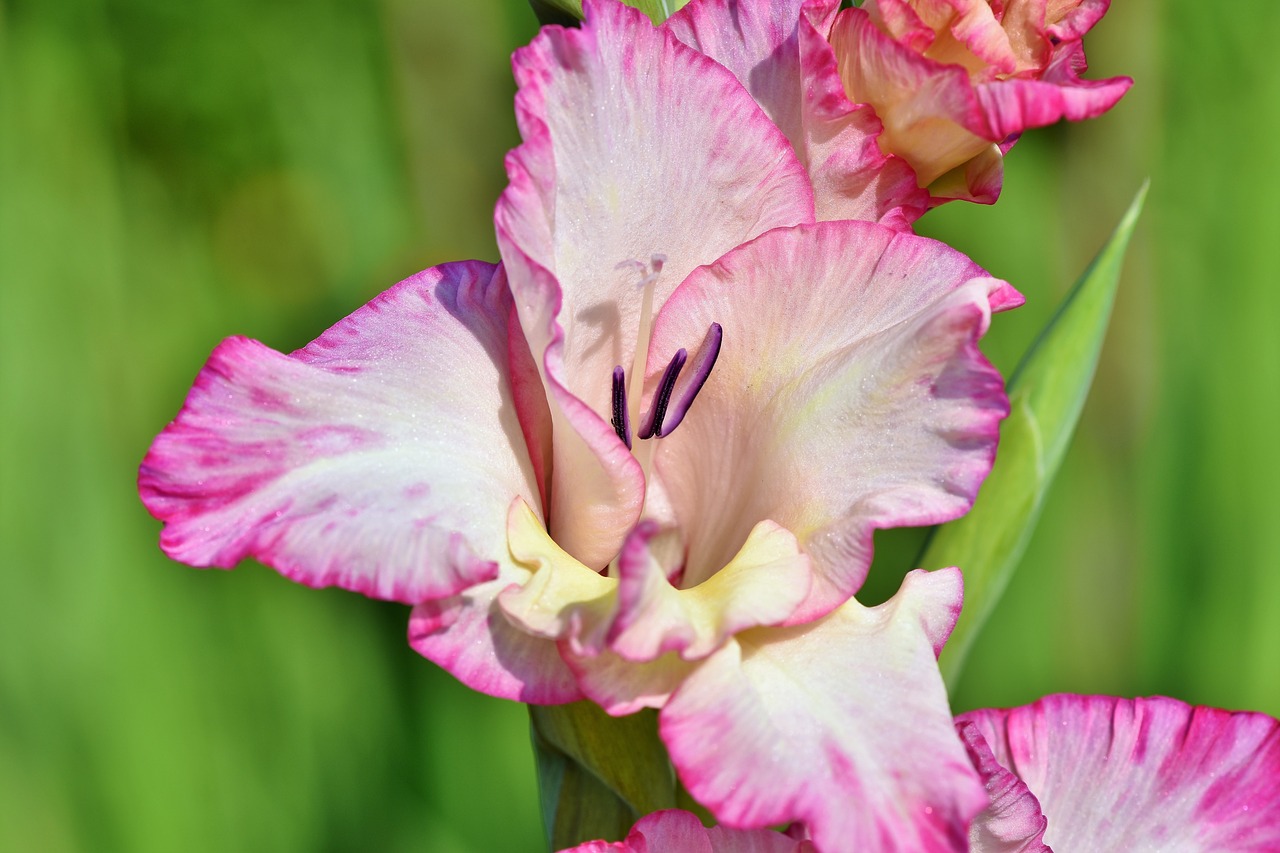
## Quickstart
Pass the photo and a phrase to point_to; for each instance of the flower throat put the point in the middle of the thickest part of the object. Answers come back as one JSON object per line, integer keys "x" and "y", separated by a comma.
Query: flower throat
{"x": 677, "y": 388}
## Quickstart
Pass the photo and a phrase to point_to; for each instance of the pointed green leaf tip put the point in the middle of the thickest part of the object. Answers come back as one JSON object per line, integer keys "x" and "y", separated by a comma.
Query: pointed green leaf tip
{"x": 1046, "y": 394}
{"x": 570, "y": 11}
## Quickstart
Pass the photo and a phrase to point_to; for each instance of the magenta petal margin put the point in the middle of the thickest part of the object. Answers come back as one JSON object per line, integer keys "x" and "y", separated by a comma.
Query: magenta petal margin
{"x": 333, "y": 465}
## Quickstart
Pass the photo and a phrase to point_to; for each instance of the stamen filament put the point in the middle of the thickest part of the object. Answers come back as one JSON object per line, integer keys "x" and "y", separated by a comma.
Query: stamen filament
{"x": 643, "y": 334}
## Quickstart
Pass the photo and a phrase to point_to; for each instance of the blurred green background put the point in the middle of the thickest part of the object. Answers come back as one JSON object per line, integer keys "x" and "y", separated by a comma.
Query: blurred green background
{"x": 172, "y": 173}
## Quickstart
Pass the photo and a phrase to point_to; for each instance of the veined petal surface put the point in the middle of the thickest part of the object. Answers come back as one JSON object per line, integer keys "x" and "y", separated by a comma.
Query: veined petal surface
{"x": 842, "y": 723}
{"x": 639, "y": 153}
{"x": 1012, "y": 821}
{"x": 1143, "y": 774}
{"x": 849, "y": 395}
{"x": 379, "y": 458}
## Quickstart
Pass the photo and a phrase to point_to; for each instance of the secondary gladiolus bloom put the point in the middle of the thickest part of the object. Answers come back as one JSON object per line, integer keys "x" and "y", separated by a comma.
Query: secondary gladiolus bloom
{"x": 956, "y": 81}
{"x": 778, "y": 50}
{"x": 901, "y": 105}
{"x": 1100, "y": 773}
{"x": 642, "y": 459}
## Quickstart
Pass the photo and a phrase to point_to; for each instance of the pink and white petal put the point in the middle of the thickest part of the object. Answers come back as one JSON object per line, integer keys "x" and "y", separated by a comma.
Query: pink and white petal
{"x": 1143, "y": 774}
{"x": 842, "y": 724}
{"x": 758, "y": 42}
{"x": 849, "y": 395}
{"x": 621, "y": 686}
{"x": 1012, "y": 821}
{"x": 343, "y": 463}
{"x": 470, "y": 637}
{"x": 636, "y": 147}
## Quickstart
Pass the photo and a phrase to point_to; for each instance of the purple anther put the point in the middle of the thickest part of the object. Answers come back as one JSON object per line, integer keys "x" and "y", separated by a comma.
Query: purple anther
{"x": 621, "y": 420}
{"x": 685, "y": 391}
{"x": 651, "y": 426}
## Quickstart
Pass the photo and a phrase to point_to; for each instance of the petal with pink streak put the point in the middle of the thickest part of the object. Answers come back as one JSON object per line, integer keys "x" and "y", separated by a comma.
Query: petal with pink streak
{"x": 842, "y": 724}
{"x": 347, "y": 462}
{"x": 469, "y": 636}
{"x": 1143, "y": 774}
{"x": 849, "y": 395}
{"x": 1012, "y": 821}
{"x": 637, "y": 149}
{"x": 676, "y": 831}
{"x": 972, "y": 36}
{"x": 779, "y": 51}
{"x": 1069, "y": 20}
{"x": 1011, "y": 106}
{"x": 900, "y": 21}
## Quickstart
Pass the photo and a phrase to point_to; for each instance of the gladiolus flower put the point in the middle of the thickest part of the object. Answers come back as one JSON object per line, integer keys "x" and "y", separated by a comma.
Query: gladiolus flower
{"x": 1100, "y": 773}
{"x": 956, "y": 81}
{"x": 901, "y": 105}
{"x": 642, "y": 459}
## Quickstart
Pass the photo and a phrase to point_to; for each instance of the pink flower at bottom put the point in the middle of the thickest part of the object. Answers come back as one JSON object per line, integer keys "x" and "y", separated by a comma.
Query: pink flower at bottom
{"x": 1100, "y": 773}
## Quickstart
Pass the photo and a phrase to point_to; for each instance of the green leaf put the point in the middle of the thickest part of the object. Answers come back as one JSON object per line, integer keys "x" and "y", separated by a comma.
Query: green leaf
{"x": 597, "y": 775}
{"x": 564, "y": 12}
{"x": 1046, "y": 394}
{"x": 569, "y": 11}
